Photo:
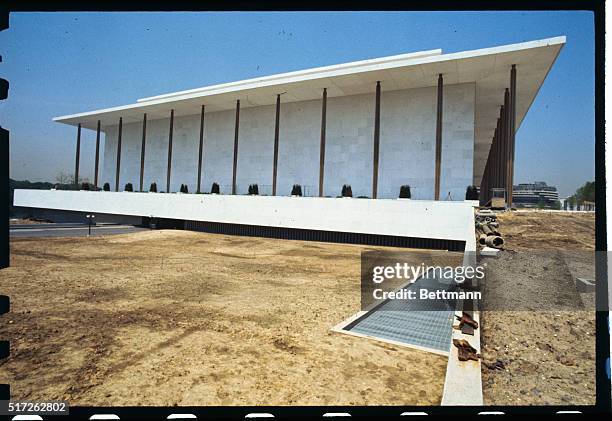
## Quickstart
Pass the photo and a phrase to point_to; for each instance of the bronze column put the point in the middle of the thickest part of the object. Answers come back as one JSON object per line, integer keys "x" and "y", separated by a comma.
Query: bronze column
{"x": 118, "y": 154}
{"x": 200, "y": 149}
{"x": 168, "y": 173}
{"x": 78, "y": 155}
{"x": 97, "y": 163}
{"x": 376, "y": 142}
{"x": 276, "y": 129}
{"x": 512, "y": 129}
{"x": 236, "y": 128}
{"x": 484, "y": 183}
{"x": 495, "y": 147}
{"x": 322, "y": 147}
{"x": 506, "y": 150}
{"x": 438, "y": 138}
{"x": 142, "y": 149}
{"x": 500, "y": 139}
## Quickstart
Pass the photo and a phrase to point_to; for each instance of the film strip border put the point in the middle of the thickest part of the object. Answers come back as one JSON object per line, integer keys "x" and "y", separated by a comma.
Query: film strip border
{"x": 4, "y": 221}
{"x": 185, "y": 413}
{"x": 303, "y": 413}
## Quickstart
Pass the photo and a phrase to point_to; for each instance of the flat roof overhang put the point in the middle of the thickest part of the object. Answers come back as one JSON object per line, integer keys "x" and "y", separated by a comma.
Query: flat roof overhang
{"x": 488, "y": 68}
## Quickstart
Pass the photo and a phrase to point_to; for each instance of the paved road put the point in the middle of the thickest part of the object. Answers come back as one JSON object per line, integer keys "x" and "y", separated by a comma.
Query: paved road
{"x": 69, "y": 230}
{"x": 52, "y": 225}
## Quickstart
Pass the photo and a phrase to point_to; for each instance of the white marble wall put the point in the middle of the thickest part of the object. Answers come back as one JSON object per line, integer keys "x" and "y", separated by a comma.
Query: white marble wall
{"x": 255, "y": 149}
{"x": 457, "y": 140}
{"x": 349, "y": 144}
{"x": 298, "y": 149}
{"x": 407, "y": 146}
{"x": 408, "y": 141}
{"x": 218, "y": 150}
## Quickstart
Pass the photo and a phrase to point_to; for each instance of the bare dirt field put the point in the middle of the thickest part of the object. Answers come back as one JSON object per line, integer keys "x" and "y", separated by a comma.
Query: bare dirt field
{"x": 537, "y": 324}
{"x": 529, "y": 230}
{"x": 183, "y": 318}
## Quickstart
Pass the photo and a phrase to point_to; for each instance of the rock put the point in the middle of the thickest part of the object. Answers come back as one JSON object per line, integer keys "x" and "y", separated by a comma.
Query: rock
{"x": 545, "y": 346}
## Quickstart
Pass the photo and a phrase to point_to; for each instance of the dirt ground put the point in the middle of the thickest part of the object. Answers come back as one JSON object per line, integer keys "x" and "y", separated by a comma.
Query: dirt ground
{"x": 529, "y": 230}
{"x": 183, "y": 318}
{"x": 537, "y": 324}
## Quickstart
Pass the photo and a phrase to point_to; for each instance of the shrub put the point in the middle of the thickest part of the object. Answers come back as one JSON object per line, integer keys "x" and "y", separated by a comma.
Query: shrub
{"x": 347, "y": 191}
{"x": 471, "y": 193}
{"x": 106, "y": 187}
{"x": 128, "y": 187}
{"x": 184, "y": 188}
{"x": 253, "y": 189}
{"x": 296, "y": 190}
{"x": 405, "y": 192}
{"x": 215, "y": 188}
{"x": 85, "y": 186}
{"x": 153, "y": 187}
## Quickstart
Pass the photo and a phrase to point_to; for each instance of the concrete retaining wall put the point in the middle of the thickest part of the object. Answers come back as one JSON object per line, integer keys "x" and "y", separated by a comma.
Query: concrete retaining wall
{"x": 407, "y": 218}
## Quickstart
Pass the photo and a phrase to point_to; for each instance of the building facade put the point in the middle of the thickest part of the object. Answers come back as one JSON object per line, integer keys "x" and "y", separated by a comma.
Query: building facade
{"x": 407, "y": 146}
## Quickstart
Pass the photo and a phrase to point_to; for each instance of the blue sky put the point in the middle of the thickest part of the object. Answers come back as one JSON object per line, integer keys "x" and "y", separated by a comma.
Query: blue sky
{"x": 63, "y": 63}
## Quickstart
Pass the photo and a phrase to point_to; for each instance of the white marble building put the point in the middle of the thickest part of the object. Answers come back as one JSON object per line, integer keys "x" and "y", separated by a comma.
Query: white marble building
{"x": 473, "y": 91}
{"x": 436, "y": 122}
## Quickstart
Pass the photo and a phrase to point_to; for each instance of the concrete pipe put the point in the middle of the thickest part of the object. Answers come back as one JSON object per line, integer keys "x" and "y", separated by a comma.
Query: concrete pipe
{"x": 482, "y": 240}
{"x": 494, "y": 241}
{"x": 486, "y": 229}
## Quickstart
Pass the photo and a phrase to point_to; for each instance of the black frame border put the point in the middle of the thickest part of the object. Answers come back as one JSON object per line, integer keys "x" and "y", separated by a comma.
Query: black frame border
{"x": 602, "y": 406}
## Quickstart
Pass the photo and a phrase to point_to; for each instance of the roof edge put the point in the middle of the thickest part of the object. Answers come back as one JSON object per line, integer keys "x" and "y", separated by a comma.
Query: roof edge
{"x": 429, "y": 56}
{"x": 305, "y": 72}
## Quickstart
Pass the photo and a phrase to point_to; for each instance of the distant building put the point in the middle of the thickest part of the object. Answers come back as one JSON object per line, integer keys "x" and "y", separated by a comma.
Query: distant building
{"x": 529, "y": 195}
{"x": 587, "y": 206}
{"x": 566, "y": 204}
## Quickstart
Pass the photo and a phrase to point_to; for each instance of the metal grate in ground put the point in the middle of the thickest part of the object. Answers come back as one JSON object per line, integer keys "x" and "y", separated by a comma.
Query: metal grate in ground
{"x": 423, "y": 324}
